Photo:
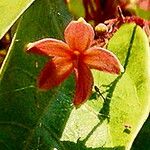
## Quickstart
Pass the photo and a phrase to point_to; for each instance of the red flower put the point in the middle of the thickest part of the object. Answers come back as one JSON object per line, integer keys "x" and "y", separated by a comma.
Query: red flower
{"x": 76, "y": 56}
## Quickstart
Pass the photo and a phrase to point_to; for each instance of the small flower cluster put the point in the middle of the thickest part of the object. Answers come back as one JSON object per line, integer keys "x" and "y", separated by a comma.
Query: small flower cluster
{"x": 104, "y": 31}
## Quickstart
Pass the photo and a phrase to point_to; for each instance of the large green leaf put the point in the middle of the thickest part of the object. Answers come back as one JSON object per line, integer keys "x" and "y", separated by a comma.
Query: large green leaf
{"x": 10, "y": 11}
{"x": 30, "y": 119}
{"x": 113, "y": 123}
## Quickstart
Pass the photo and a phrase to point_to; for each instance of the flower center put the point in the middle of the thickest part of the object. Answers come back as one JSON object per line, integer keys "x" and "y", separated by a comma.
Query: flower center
{"x": 76, "y": 58}
{"x": 77, "y": 53}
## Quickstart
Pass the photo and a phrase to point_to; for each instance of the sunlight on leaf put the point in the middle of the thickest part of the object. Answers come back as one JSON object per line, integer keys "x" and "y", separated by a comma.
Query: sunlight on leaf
{"x": 116, "y": 120}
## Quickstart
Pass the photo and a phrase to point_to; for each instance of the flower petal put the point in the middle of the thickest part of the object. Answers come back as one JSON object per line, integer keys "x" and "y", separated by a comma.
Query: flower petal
{"x": 54, "y": 72}
{"x": 84, "y": 83}
{"x": 103, "y": 60}
{"x": 49, "y": 47}
{"x": 79, "y": 34}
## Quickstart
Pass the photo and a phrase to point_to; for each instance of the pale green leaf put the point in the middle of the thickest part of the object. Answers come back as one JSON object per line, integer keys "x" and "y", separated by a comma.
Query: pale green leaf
{"x": 113, "y": 123}
{"x": 10, "y": 11}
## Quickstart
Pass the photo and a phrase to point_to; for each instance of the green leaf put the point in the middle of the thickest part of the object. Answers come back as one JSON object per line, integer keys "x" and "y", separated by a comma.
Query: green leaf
{"x": 77, "y": 8}
{"x": 142, "y": 13}
{"x": 30, "y": 119}
{"x": 113, "y": 123}
{"x": 10, "y": 11}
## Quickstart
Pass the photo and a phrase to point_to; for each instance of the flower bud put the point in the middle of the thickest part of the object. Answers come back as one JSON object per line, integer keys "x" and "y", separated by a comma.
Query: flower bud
{"x": 101, "y": 28}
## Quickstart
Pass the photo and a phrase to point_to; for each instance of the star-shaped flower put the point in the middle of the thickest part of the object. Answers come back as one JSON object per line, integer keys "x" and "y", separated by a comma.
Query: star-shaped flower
{"x": 76, "y": 55}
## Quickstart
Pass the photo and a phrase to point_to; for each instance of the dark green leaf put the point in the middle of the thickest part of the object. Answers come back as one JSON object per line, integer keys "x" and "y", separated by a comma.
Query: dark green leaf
{"x": 142, "y": 140}
{"x": 30, "y": 119}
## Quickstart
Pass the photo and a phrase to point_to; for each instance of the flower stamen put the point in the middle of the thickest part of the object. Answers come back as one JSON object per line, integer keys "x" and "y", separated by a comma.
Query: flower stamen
{"x": 77, "y": 53}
